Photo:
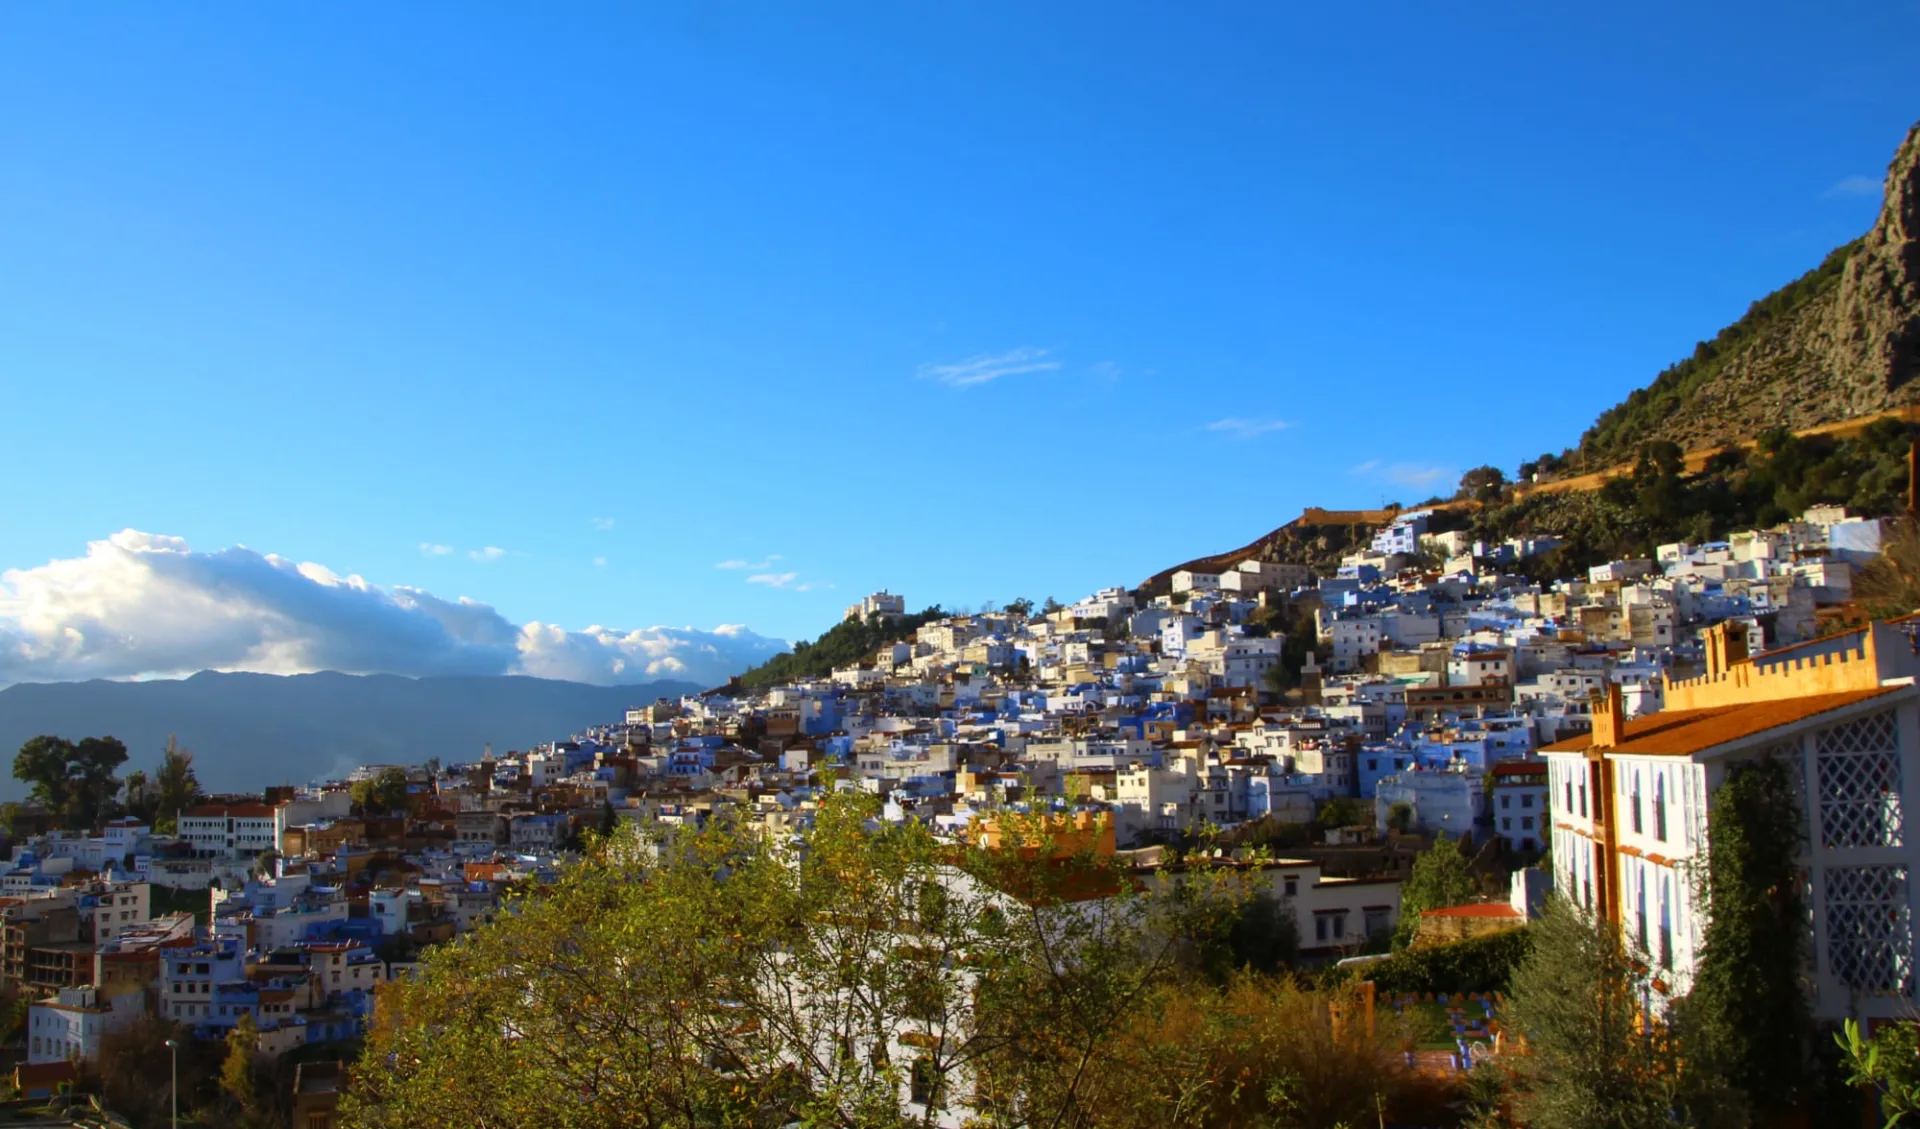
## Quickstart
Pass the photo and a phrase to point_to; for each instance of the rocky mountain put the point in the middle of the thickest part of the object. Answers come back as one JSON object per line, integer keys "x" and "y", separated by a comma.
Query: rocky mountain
{"x": 251, "y": 730}
{"x": 1841, "y": 341}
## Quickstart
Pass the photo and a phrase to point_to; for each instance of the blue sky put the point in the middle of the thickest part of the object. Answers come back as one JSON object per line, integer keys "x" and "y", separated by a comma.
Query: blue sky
{"x": 970, "y": 301}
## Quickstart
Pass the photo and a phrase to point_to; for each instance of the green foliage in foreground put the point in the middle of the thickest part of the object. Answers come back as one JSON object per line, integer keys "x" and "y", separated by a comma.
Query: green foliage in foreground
{"x": 1592, "y": 1059}
{"x": 846, "y": 643}
{"x": 1480, "y": 964}
{"x": 1887, "y": 1065}
{"x": 1748, "y": 1006}
{"x": 714, "y": 977}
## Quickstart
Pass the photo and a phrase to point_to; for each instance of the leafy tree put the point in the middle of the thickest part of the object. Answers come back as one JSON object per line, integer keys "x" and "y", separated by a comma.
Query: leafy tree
{"x": 1020, "y": 606}
{"x": 1442, "y": 876}
{"x": 74, "y": 780}
{"x": 609, "y": 820}
{"x": 236, "y": 1070}
{"x": 1344, "y": 811}
{"x": 135, "y": 1067}
{"x": 1399, "y": 817}
{"x": 1483, "y": 483}
{"x": 1748, "y": 1009}
{"x": 1888, "y": 1065}
{"x": 1051, "y": 606}
{"x": 175, "y": 786}
{"x": 714, "y": 976}
{"x": 1593, "y": 1063}
{"x": 382, "y": 793}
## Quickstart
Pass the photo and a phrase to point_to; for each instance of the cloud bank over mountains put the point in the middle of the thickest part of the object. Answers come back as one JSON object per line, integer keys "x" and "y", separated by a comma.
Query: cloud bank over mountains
{"x": 144, "y": 604}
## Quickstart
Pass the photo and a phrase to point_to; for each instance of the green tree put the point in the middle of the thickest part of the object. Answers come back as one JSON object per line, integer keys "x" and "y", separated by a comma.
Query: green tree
{"x": 609, "y": 820}
{"x": 1345, "y": 811}
{"x": 236, "y": 1070}
{"x": 718, "y": 976}
{"x": 1020, "y": 606}
{"x": 1592, "y": 1061}
{"x": 175, "y": 786}
{"x": 1442, "y": 876}
{"x": 382, "y": 793}
{"x": 1051, "y": 606}
{"x": 1748, "y": 1009}
{"x": 1887, "y": 1065}
{"x": 75, "y": 781}
{"x": 1483, "y": 483}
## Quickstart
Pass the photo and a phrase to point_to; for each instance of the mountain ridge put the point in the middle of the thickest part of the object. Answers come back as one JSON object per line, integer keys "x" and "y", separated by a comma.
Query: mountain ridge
{"x": 1841, "y": 341}
{"x": 250, "y": 730}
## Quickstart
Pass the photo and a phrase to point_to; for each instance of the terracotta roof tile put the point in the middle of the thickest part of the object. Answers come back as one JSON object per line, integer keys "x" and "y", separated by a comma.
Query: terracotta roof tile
{"x": 1685, "y": 732}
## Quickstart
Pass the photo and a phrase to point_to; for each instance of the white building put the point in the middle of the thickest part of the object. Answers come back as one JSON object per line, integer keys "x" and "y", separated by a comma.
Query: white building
{"x": 234, "y": 830}
{"x": 1631, "y": 803}
{"x": 68, "y": 1026}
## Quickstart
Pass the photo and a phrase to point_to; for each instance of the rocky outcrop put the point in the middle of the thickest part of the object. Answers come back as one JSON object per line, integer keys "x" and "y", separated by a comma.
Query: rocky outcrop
{"x": 1843, "y": 341}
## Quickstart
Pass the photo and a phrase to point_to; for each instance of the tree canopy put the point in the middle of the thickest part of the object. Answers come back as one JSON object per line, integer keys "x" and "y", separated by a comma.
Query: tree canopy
{"x": 75, "y": 780}
{"x": 712, "y": 976}
{"x": 382, "y": 793}
{"x": 1442, "y": 876}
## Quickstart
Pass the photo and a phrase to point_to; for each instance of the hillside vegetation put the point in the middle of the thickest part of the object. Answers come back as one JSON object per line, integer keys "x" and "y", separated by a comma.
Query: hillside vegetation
{"x": 1658, "y": 503}
{"x": 1839, "y": 342}
{"x": 1645, "y": 414}
{"x": 845, "y": 644}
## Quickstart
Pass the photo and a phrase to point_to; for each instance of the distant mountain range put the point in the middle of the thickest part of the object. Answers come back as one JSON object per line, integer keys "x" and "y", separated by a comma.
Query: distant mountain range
{"x": 251, "y": 730}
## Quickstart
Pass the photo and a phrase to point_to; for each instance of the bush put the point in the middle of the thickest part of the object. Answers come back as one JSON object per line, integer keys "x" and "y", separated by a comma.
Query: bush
{"x": 1483, "y": 964}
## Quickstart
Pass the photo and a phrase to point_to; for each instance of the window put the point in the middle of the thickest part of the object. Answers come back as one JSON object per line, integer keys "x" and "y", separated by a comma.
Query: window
{"x": 1526, "y": 801}
{"x": 1526, "y": 823}
{"x": 1637, "y": 829}
{"x": 1506, "y": 823}
{"x": 923, "y": 1083}
{"x": 1660, "y": 807}
{"x": 1506, "y": 801}
{"x": 1292, "y": 885}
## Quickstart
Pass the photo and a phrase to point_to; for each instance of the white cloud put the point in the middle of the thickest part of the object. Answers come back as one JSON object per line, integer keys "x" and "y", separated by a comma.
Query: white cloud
{"x": 600, "y": 562}
{"x": 1367, "y": 467}
{"x": 601, "y": 523}
{"x": 1239, "y": 427}
{"x": 761, "y": 567}
{"x": 988, "y": 367}
{"x": 774, "y": 579}
{"x": 144, "y": 605}
{"x": 430, "y": 549}
{"x": 1854, "y": 186}
{"x": 488, "y": 554}
{"x": 1409, "y": 475}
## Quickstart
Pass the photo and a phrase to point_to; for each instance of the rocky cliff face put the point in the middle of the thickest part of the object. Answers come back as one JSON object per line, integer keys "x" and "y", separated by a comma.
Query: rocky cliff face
{"x": 1843, "y": 341}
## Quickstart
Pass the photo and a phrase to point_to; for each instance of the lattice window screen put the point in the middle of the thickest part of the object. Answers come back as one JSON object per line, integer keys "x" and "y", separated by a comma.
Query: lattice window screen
{"x": 1858, "y": 764}
{"x": 1870, "y": 928}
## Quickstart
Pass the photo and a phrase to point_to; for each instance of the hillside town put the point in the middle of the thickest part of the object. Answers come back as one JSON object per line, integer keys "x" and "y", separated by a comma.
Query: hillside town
{"x": 1441, "y": 694}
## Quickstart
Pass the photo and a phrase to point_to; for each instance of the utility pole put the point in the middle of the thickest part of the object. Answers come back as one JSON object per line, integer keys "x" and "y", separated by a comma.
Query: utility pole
{"x": 173, "y": 1091}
